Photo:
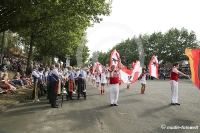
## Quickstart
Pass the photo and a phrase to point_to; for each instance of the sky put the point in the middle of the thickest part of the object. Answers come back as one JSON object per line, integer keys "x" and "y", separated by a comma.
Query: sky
{"x": 133, "y": 17}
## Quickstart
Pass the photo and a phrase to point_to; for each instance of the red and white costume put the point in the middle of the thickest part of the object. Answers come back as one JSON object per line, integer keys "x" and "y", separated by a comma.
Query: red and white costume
{"x": 114, "y": 86}
{"x": 97, "y": 78}
{"x": 174, "y": 85}
{"x": 103, "y": 78}
{"x": 143, "y": 79}
{"x": 92, "y": 76}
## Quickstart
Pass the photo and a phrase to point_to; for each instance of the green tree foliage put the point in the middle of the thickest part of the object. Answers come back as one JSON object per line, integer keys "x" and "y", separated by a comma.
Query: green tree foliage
{"x": 169, "y": 47}
{"x": 128, "y": 51}
{"x": 52, "y": 27}
{"x": 175, "y": 42}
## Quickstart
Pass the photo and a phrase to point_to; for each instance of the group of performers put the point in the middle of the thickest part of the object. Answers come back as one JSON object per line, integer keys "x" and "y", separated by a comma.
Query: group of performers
{"x": 99, "y": 78}
{"x": 64, "y": 81}
{"x": 69, "y": 81}
{"x": 113, "y": 78}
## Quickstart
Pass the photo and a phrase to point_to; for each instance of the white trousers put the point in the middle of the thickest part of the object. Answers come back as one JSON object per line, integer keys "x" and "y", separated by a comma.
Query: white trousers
{"x": 114, "y": 92}
{"x": 174, "y": 91}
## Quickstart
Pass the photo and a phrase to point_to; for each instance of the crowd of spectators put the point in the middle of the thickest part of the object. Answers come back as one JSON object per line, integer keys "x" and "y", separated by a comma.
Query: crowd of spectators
{"x": 20, "y": 79}
{"x": 14, "y": 63}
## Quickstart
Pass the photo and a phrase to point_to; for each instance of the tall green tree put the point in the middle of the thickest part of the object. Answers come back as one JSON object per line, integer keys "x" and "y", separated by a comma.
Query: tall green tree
{"x": 169, "y": 47}
{"x": 35, "y": 19}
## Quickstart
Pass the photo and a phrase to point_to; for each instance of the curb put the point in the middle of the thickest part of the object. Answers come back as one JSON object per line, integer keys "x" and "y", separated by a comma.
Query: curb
{"x": 14, "y": 104}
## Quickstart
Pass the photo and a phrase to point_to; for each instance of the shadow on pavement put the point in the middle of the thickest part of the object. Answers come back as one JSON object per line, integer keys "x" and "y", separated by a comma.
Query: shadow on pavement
{"x": 152, "y": 111}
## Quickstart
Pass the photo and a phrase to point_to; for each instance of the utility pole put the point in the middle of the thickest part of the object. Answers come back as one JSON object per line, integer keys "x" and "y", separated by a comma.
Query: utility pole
{"x": 67, "y": 60}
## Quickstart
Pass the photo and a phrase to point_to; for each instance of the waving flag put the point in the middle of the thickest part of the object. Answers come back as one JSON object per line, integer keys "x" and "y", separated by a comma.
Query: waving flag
{"x": 153, "y": 67}
{"x": 97, "y": 66}
{"x": 114, "y": 59}
{"x": 194, "y": 59}
{"x": 130, "y": 76}
{"x": 133, "y": 64}
{"x": 126, "y": 76}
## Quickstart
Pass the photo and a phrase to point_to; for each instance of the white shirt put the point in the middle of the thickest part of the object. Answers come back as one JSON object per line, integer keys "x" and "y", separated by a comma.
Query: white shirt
{"x": 84, "y": 73}
{"x": 55, "y": 72}
{"x": 175, "y": 70}
{"x": 34, "y": 73}
{"x": 46, "y": 73}
{"x": 103, "y": 76}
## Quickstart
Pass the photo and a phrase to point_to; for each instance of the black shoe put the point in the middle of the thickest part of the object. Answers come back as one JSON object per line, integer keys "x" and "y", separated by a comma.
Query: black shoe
{"x": 173, "y": 104}
{"x": 177, "y": 103}
{"x": 57, "y": 105}
{"x": 71, "y": 99}
{"x": 115, "y": 105}
{"x": 54, "y": 106}
{"x": 77, "y": 98}
{"x": 111, "y": 104}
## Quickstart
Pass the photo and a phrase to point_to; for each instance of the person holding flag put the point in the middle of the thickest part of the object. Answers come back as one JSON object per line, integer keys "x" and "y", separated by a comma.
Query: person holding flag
{"x": 114, "y": 83}
{"x": 174, "y": 83}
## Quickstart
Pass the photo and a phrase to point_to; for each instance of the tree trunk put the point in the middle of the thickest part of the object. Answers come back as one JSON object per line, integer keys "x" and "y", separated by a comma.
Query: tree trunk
{"x": 30, "y": 54}
{"x": 2, "y": 48}
{"x": 52, "y": 60}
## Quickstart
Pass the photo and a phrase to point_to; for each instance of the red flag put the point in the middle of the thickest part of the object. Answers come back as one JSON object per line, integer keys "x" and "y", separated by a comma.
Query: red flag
{"x": 97, "y": 66}
{"x": 114, "y": 59}
{"x": 153, "y": 67}
{"x": 130, "y": 76}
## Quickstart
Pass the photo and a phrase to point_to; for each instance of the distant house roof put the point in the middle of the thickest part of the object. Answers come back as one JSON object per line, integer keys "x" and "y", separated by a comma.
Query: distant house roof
{"x": 168, "y": 65}
{"x": 183, "y": 63}
{"x": 186, "y": 66}
{"x": 17, "y": 52}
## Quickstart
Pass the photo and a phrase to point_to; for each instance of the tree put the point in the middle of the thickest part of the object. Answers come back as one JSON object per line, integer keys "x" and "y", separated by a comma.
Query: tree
{"x": 175, "y": 42}
{"x": 39, "y": 19}
{"x": 169, "y": 47}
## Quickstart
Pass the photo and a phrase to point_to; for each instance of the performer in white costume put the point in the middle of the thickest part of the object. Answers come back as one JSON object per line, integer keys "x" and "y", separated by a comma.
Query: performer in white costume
{"x": 103, "y": 81}
{"x": 174, "y": 83}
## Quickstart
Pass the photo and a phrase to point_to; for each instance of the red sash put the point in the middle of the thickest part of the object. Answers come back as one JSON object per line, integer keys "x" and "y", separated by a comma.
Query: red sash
{"x": 57, "y": 86}
{"x": 71, "y": 88}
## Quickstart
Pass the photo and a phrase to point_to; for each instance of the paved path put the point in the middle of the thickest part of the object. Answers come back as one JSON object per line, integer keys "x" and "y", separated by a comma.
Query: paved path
{"x": 136, "y": 113}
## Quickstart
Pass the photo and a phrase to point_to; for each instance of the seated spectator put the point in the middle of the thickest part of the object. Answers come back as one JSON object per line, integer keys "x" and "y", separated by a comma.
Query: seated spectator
{"x": 15, "y": 67}
{"x": 20, "y": 67}
{"x": 8, "y": 64}
{"x": 6, "y": 85}
{"x": 4, "y": 69}
{"x": 16, "y": 80}
{"x": 27, "y": 81}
